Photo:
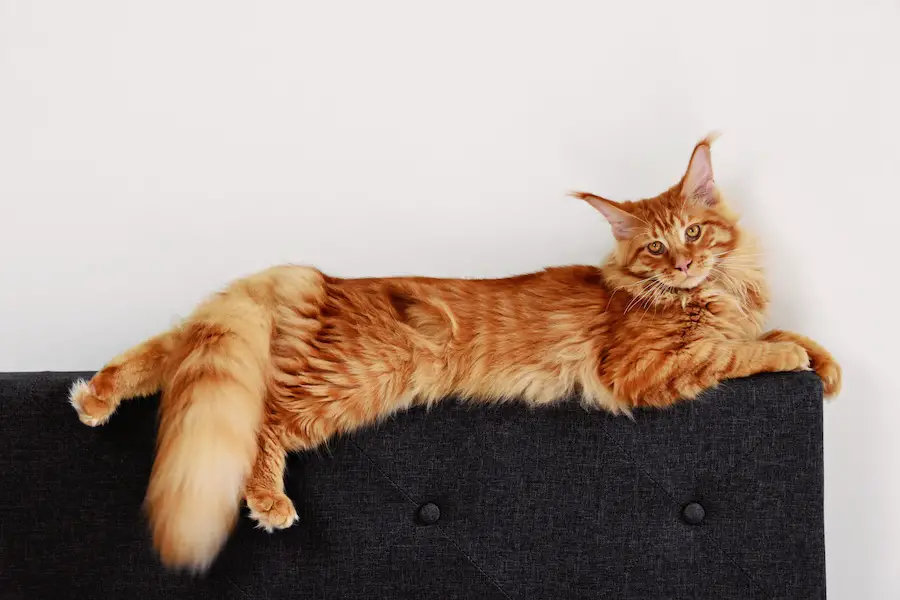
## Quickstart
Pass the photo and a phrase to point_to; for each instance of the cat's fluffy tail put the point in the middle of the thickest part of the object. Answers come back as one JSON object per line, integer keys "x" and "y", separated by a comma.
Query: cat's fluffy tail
{"x": 209, "y": 419}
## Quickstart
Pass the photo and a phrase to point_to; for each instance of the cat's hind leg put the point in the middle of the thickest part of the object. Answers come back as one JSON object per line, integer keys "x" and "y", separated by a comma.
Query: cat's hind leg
{"x": 264, "y": 492}
{"x": 269, "y": 506}
{"x": 135, "y": 372}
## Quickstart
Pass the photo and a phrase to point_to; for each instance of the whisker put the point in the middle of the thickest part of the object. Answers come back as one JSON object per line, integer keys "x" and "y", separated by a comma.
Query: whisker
{"x": 657, "y": 294}
{"x": 638, "y": 297}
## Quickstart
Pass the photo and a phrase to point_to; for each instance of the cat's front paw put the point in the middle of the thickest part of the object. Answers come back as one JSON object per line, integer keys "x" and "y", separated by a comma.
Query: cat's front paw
{"x": 790, "y": 356}
{"x": 91, "y": 409}
{"x": 271, "y": 510}
{"x": 830, "y": 371}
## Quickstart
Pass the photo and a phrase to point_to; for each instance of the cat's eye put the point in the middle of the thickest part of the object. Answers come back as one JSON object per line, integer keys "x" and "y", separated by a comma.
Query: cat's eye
{"x": 656, "y": 248}
{"x": 692, "y": 232}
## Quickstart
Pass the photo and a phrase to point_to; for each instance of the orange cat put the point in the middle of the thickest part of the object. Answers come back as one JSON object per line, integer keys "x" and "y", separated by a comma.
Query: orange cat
{"x": 285, "y": 359}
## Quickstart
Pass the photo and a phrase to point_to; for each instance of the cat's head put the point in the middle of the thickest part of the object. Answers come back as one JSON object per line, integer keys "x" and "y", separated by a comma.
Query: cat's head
{"x": 679, "y": 237}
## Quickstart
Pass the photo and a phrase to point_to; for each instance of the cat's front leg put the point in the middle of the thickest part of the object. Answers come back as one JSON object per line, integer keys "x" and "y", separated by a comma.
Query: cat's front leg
{"x": 264, "y": 492}
{"x": 822, "y": 362}
{"x": 662, "y": 378}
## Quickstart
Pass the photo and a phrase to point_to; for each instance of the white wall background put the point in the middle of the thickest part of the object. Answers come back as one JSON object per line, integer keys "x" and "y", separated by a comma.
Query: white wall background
{"x": 151, "y": 151}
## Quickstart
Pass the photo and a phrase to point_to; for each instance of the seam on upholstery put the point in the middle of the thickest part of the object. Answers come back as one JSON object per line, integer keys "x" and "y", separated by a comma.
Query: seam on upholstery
{"x": 383, "y": 473}
{"x": 675, "y": 503}
{"x": 474, "y": 564}
{"x": 718, "y": 475}
{"x": 85, "y": 446}
{"x": 724, "y": 472}
{"x": 238, "y": 588}
{"x": 73, "y": 435}
{"x": 444, "y": 534}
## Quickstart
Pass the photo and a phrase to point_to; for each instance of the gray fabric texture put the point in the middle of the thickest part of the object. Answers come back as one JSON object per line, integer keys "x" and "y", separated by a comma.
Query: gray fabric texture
{"x": 557, "y": 503}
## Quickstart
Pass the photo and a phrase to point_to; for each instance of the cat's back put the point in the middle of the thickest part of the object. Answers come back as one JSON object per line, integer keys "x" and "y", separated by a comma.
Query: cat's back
{"x": 554, "y": 281}
{"x": 441, "y": 310}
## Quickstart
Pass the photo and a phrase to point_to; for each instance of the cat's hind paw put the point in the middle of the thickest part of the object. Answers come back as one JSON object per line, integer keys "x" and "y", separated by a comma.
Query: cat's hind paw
{"x": 92, "y": 410}
{"x": 271, "y": 510}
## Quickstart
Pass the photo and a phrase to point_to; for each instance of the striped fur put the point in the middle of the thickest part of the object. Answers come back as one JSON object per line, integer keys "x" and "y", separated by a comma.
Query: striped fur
{"x": 288, "y": 358}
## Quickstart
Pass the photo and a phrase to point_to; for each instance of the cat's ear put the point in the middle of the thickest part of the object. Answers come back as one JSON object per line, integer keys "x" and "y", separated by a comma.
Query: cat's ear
{"x": 698, "y": 184}
{"x": 624, "y": 224}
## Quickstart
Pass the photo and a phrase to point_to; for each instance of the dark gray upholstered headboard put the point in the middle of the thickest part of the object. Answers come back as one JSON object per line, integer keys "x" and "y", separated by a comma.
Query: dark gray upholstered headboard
{"x": 717, "y": 499}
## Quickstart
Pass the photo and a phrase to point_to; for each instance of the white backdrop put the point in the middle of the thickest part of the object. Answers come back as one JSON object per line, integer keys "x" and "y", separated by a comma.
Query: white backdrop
{"x": 151, "y": 151}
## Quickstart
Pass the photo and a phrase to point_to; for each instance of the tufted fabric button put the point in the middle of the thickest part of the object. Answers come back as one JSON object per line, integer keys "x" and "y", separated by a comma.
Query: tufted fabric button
{"x": 693, "y": 513}
{"x": 428, "y": 513}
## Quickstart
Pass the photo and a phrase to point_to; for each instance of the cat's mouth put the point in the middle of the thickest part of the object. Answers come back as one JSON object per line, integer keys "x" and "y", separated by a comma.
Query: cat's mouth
{"x": 687, "y": 281}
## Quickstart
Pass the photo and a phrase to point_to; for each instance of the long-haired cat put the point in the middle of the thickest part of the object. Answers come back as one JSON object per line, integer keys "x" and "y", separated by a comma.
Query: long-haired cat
{"x": 287, "y": 358}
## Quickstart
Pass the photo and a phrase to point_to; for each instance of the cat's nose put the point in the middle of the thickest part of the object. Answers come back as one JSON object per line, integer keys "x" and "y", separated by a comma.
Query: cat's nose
{"x": 683, "y": 264}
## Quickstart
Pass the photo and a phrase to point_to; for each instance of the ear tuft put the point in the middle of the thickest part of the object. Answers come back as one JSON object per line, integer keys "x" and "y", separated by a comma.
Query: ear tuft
{"x": 698, "y": 184}
{"x": 624, "y": 225}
